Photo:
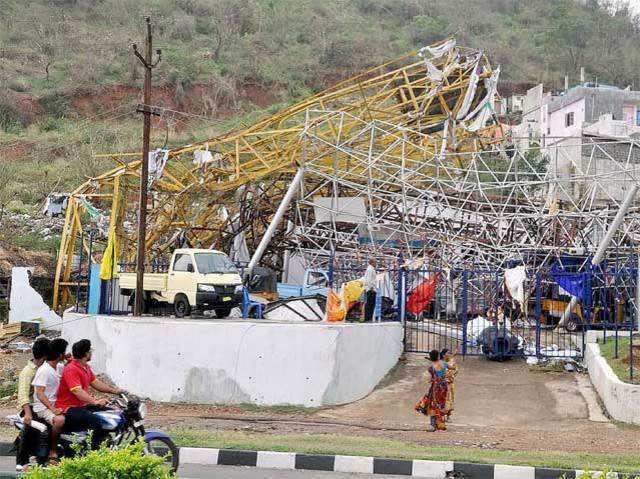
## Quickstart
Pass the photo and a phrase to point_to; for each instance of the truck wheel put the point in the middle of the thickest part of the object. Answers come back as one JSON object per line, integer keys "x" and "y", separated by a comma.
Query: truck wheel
{"x": 223, "y": 312}
{"x": 572, "y": 324}
{"x": 181, "y": 306}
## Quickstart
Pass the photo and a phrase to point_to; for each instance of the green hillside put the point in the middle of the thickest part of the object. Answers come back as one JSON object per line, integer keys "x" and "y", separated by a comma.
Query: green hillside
{"x": 69, "y": 82}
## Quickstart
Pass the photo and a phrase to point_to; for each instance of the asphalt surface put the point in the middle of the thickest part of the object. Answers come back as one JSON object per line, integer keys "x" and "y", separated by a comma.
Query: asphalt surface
{"x": 192, "y": 471}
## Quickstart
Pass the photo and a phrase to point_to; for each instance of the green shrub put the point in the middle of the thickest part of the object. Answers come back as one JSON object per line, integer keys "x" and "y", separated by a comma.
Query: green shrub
{"x": 11, "y": 119}
{"x": 17, "y": 206}
{"x": 124, "y": 463}
{"x": 56, "y": 104}
{"x": 50, "y": 124}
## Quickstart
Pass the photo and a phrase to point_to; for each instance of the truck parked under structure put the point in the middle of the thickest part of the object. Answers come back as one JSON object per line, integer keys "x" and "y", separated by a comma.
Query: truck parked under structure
{"x": 200, "y": 279}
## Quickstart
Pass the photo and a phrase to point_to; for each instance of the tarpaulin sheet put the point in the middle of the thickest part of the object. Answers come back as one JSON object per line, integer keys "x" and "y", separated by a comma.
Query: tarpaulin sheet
{"x": 573, "y": 283}
{"x": 422, "y": 294}
{"x": 335, "y": 311}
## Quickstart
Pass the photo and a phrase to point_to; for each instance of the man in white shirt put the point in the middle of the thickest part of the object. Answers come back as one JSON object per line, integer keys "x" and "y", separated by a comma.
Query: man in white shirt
{"x": 45, "y": 384}
{"x": 369, "y": 284}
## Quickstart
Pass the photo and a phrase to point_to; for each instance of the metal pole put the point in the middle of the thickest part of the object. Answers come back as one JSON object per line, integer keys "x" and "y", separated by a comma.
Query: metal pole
{"x": 604, "y": 244}
{"x": 144, "y": 167}
{"x": 284, "y": 204}
{"x": 637, "y": 325}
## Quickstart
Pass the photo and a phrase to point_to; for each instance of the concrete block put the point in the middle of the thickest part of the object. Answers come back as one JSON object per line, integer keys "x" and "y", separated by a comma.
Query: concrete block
{"x": 232, "y": 362}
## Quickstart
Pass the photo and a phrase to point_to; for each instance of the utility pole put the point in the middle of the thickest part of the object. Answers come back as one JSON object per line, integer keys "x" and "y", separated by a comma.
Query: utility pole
{"x": 147, "y": 111}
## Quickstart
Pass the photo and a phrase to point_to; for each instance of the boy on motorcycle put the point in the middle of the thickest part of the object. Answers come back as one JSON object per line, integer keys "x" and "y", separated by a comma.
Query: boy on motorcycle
{"x": 30, "y": 439}
{"x": 45, "y": 383}
{"x": 74, "y": 399}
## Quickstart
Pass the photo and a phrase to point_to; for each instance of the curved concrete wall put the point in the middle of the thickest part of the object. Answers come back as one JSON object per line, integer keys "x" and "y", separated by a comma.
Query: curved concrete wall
{"x": 226, "y": 362}
{"x": 622, "y": 400}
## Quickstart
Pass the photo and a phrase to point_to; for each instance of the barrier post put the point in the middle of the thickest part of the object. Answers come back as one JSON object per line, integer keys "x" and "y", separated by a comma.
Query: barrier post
{"x": 538, "y": 312}
{"x": 465, "y": 304}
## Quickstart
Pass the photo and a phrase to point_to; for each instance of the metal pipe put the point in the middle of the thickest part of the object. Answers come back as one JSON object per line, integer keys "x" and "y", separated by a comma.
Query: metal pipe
{"x": 284, "y": 204}
{"x": 637, "y": 296}
{"x": 604, "y": 244}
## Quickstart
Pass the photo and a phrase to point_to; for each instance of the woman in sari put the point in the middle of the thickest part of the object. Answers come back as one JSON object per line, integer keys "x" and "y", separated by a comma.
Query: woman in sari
{"x": 452, "y": 371}
{"x": 433, "y": 404}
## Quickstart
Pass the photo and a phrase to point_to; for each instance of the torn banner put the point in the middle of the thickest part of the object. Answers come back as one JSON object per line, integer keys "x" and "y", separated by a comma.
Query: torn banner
{"x": 422, "y": 295}
{"x": 573, "y": 283}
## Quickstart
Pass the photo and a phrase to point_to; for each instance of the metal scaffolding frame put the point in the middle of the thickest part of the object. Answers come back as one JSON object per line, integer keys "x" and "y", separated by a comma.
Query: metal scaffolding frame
{"x": 416, "y": 138}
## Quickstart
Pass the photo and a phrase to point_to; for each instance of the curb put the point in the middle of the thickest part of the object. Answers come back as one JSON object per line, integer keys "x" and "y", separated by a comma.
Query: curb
{"x": 373, "y": 465}
{"x": 361, "y": 465}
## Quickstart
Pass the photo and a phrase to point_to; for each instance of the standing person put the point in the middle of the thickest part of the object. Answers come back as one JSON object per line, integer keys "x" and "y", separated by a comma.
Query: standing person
{"x": 45, "y": 384}
{"x": 30, "y": 439}
{"x": 433, "y": 404}
{"x": 452, "y": 371}
{"x": 74, "y": 399}
{"x": 369, "y": 284}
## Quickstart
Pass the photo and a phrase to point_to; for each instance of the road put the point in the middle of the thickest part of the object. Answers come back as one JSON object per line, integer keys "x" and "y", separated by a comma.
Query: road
{"x": 7, "y": 469}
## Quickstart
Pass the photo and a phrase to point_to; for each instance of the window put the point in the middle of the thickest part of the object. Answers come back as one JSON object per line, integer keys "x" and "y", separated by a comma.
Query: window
{"x": 638, "y": 117}
{"x": 182, "y": 262}
{"x": 548, "y": 131}
{"x": 568, "y": 119}
{"x": 214, "y": 263}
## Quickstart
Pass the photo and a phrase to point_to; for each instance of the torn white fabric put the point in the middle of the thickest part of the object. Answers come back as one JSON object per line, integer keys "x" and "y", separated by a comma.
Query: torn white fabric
{"x": 471, "y": 92}
{"x": 202, "y": 157}
{"x": 514, "y": 280}
{"x": 239, "y": 252}
{"x": 482, "y": 112}
{"x": 430, "y": 53}
{"x": 157, "y": 162}
{"x": 26, "y": 304}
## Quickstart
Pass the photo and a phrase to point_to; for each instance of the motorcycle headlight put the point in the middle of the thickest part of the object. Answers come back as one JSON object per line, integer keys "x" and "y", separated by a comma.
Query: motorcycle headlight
{"x": 142, "y": 410}
{"x": 207, "y": 288}
{"x": 239, "y": 289}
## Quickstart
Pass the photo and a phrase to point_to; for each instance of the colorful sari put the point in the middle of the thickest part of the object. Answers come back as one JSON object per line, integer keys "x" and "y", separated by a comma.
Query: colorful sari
{"x": 452, "y": 371}
{"x": 433, "y": 404}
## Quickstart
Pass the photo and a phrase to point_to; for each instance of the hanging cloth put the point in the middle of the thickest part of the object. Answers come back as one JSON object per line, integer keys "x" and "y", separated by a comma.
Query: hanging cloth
{"x": 422, "y": 294}
{"x": 109, "y": 265}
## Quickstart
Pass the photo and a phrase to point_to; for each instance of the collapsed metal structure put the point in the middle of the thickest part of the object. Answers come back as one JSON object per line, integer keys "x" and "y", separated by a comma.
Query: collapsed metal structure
{"x": 406, "y": 157}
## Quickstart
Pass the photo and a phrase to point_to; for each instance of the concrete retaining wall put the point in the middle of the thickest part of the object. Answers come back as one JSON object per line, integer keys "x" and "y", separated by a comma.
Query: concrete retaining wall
{"x": 622, "y": 400}
{"x": 226, "y": 362}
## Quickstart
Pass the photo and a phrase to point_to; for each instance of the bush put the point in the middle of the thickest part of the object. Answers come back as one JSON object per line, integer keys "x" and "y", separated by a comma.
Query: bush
{"x": 50, "y": 124}
{"x": 124, "y": 463}
{"x": 56, "y": 104}
{"x": 11, "y": 119}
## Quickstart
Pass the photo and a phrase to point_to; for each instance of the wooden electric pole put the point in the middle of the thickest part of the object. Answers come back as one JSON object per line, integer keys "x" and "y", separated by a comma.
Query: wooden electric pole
{"x": 147, "y": 111}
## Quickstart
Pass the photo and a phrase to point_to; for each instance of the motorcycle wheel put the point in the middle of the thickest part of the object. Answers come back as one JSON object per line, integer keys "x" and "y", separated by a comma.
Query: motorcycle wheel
{"x": 165, "y": 448}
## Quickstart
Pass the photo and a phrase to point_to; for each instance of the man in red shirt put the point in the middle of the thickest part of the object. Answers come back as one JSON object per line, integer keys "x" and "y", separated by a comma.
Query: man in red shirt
{"x": 74, "y": 399}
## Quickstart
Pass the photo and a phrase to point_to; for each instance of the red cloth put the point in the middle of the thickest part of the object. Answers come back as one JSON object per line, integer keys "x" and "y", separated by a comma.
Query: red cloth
{"x": 74, "y": 375}
{"x": 422, "y": 294}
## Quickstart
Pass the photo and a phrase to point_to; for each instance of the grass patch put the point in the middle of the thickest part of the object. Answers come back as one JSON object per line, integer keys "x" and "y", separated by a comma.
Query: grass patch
{"x": 618, "y": 364}
{"x": 36, "y": 242}
{"x": 376, "y": 447}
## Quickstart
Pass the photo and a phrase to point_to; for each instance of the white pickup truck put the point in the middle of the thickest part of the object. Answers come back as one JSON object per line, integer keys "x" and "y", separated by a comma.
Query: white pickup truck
{"x": 203, "y": 279}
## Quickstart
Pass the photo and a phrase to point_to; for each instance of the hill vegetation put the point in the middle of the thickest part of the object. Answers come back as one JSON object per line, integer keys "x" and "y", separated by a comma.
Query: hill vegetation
{"x": 69, "y": 82}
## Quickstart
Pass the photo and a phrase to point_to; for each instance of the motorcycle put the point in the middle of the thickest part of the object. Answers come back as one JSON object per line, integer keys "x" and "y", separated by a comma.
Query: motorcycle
{"x": 123, "y": 421}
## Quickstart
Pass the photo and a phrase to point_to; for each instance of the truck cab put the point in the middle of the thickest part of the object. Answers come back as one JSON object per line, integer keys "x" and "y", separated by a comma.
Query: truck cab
{"x": 207, "y": 278}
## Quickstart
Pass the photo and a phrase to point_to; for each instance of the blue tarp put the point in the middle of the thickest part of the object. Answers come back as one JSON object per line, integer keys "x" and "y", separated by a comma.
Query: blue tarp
{"x": 575, "y": 284}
